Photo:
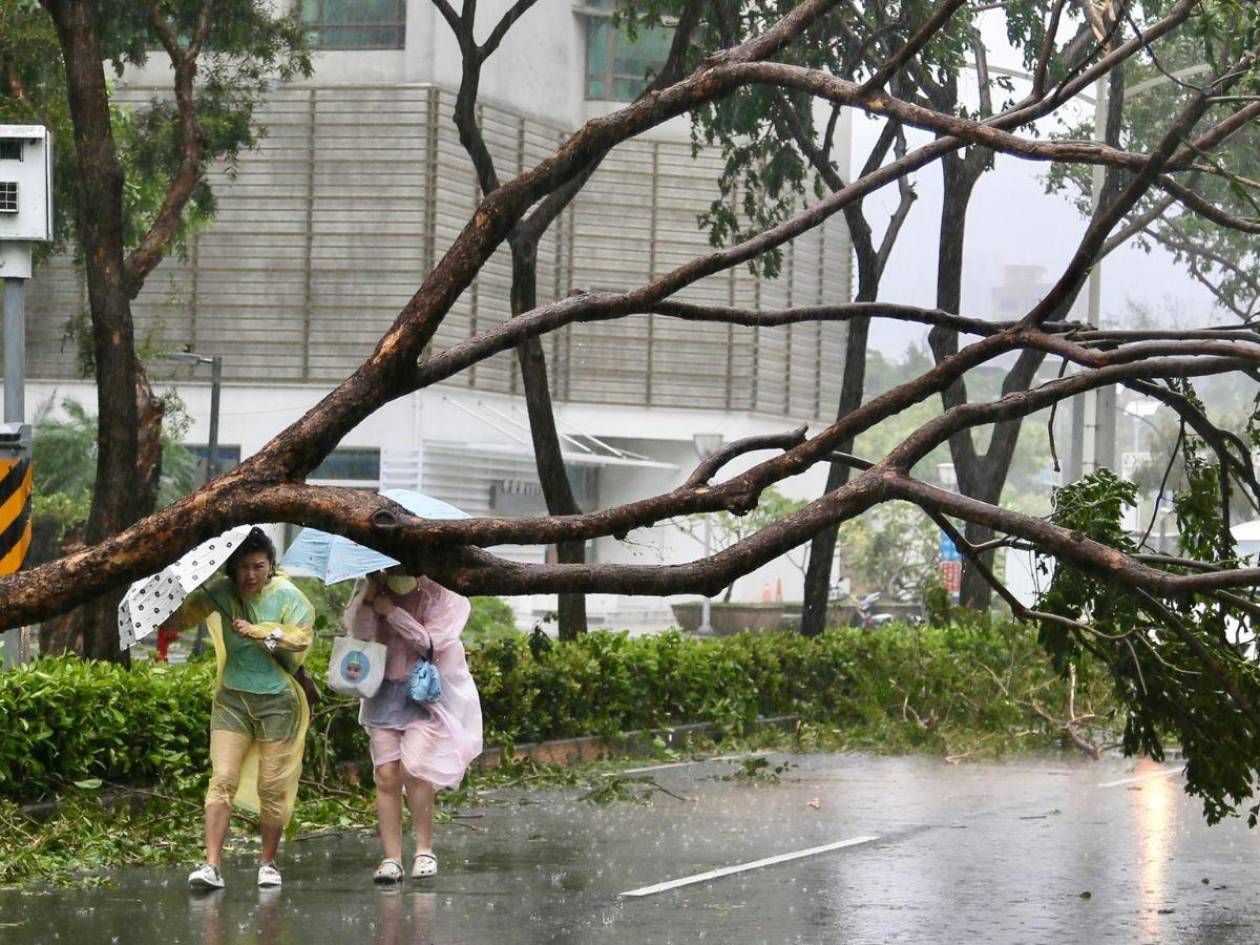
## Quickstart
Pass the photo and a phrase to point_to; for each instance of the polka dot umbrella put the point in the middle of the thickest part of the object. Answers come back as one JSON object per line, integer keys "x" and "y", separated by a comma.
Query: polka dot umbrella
{"x": 150, "y": 601}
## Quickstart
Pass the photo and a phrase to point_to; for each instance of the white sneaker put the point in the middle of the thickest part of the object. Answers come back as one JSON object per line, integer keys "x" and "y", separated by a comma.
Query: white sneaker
{"x": 268, "y": 875}
{"x": 205, "y": 876}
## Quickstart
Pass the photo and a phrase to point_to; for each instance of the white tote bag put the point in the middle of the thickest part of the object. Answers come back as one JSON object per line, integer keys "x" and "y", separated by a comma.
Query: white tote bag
{"x": 356, "y": 667}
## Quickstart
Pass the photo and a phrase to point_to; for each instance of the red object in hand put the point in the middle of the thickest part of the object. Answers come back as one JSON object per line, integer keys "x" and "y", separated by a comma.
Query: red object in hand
{"x": 164, "y": 640}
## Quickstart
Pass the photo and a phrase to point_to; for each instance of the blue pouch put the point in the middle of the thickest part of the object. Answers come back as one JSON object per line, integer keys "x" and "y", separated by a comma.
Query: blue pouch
{"x": 424, "y": 685}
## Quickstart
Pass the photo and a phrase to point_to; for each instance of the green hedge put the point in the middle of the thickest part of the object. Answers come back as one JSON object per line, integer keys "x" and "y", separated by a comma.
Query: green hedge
{"x": 607, "y": 682}
{"x": 68, "y": 720}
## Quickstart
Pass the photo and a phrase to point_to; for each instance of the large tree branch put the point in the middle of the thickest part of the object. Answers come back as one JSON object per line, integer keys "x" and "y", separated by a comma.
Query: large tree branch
{"x": 501, "y": 28}
{"x": 1215, "y": 358}
{"x": 1135, "y": 226}
{"x": 973, "y": 553}
{"x": 1067, "y": 544}
{"x": 933, "y": 25}
{"x": 989, "y": 133}
{"x": 1041, "y": 69}
{"x": 732, "y": 256}
{"x": 710, "y": 465}
{"x": 267, "y": 486}
{"x": 236, "y": 498}
{"x": 603, "y": 306}
{"x": 385, "y": 374}
{"x": 154, "y": 244}
{"x": 1206, "y": 209}
{"x": 1107, "y": 218}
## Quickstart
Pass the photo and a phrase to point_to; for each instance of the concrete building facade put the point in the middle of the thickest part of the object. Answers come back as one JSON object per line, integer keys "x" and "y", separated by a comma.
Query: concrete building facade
{"x": 324, "y": 232}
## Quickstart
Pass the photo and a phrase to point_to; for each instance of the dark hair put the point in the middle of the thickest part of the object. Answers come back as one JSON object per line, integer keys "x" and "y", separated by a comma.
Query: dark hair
{"x": 255, "y": 541}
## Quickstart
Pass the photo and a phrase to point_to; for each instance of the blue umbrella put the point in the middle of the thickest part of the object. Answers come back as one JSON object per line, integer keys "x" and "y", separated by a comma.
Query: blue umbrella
{"x": 334, "y": 558}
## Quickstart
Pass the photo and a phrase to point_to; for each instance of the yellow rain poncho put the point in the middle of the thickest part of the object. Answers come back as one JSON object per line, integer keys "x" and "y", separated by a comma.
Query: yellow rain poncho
{"x": 282, "y": 612}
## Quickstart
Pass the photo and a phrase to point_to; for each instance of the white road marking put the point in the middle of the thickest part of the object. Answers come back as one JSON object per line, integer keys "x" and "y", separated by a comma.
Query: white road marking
{"x": 744, "y": 867}
{"x": 698, "y": 761}
{"x": 1144, "y": 777}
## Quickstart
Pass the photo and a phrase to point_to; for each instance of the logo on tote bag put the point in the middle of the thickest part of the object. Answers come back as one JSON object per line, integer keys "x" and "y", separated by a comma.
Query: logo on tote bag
{"x": 355, "y": 666}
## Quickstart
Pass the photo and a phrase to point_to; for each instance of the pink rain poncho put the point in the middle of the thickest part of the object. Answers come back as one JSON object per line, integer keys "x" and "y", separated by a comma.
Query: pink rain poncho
{"x": 438, "y": 746}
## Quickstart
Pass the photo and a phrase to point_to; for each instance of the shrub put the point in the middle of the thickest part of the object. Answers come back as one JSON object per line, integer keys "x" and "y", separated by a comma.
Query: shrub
{"x": 491, "y": 619}
{"x": 70, "y": 720}
{"x": 900, "y": 687}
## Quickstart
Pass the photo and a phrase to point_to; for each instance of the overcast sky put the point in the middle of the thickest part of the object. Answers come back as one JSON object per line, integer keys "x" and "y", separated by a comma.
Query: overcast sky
{"x": 1012, "y": 221}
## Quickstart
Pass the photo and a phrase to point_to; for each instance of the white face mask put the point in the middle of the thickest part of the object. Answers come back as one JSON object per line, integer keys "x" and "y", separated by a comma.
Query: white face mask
{"x": 400, "y": 583}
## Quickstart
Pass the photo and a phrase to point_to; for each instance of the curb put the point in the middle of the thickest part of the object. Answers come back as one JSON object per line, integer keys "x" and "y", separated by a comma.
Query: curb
{"x": 563, "y": 751}
{"x": 571, "y": 751}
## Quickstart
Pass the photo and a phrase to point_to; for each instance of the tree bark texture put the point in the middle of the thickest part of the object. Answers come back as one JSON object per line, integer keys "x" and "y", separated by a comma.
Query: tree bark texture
{"x": 548, "y": 458}
{"x": 822, "y": 550}
{"x": 870, "y": 261}
{"x": 129, "y": 417}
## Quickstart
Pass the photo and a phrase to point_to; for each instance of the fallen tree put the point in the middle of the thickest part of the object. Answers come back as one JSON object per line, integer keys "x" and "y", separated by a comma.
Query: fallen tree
{"x": 1159, "y": 625}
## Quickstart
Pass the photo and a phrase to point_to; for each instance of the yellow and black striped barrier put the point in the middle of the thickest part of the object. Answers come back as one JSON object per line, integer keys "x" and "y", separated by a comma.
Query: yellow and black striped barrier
{"x": 15, "y": 513}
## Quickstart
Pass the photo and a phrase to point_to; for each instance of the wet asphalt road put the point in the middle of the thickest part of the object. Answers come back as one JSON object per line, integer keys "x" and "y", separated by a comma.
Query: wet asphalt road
{"x": 1033, "y": 851}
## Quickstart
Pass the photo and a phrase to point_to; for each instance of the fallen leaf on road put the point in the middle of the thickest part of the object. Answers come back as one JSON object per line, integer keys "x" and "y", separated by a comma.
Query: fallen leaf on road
{"x": 814, "y": 802}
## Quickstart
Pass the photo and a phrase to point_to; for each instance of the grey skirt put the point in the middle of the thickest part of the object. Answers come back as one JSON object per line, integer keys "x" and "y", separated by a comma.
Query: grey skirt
{"x": 391, "y": 707}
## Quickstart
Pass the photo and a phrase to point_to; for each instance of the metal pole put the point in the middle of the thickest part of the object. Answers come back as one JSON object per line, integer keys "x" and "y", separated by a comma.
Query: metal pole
{"x": 1104, "y": 397}
{"x": 1074, "y": 469}
{"x": 14, "y": 411}
{"x": 705, "y": 625}
{"x": 212, "y": 447}
{"x": 14, "y": 350}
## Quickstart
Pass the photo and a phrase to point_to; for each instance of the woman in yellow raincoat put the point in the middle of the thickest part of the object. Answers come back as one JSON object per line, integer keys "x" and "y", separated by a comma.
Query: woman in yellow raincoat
{"x": 262, "y": 627}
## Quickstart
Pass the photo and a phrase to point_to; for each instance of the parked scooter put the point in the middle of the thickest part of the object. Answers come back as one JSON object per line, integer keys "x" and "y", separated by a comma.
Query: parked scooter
{"x": 865, "y": 617}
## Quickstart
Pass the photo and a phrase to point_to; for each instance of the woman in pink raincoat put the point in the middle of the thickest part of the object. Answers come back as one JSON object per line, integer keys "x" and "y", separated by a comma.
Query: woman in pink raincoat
{"x": 420, "y": 747}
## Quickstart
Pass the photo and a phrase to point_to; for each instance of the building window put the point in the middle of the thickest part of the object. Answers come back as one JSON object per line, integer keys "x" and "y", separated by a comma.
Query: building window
{"x": 349, "y": 465}
{"x": 616, "y": 66}
{"x": 355, "y": 24}
{"x": 10, "y": 149}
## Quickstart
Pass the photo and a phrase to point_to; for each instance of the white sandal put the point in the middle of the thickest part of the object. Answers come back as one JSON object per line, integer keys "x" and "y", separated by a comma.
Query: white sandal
{"x": 390, "y": 871}
{"x": 423, "y": 866}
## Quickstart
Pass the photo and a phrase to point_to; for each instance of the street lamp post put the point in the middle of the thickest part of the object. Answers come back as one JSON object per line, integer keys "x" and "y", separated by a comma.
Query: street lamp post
{"x": 706, "y": 445}
{"x": 216, "y": 383}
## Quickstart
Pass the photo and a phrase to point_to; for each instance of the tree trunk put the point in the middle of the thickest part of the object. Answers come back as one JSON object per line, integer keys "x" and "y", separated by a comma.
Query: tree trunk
{"x": 552, "y": 475}
{"x": 974, "y": 591}
{"x": 959, "y": 177}
{"x": 984, "y": 476}
{"x": 117, "y": 499}
{"x": 822, "y": 549}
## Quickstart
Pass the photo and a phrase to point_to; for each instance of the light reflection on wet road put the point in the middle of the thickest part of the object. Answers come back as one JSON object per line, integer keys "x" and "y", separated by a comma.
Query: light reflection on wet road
{"x": 1027, "y": 851}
